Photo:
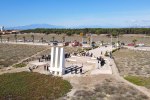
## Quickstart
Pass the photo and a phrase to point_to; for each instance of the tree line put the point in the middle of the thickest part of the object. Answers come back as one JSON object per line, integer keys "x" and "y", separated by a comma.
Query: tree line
{"x": 69, "y": 32}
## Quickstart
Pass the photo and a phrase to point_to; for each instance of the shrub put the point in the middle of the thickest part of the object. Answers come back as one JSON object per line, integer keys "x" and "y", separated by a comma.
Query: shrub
{"x": 141, "y": 81}
{"x": 20, "y": 65}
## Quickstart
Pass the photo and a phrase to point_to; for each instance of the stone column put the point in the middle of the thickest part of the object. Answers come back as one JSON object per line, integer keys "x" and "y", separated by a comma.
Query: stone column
{"x": 57, "y": 57}
{"x": 62, "y": 60}
{"x": 52, "y": 56}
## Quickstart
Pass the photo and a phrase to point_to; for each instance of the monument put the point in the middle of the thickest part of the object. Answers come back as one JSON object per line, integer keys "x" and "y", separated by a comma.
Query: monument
{"x": 57, "y": 65}
{"x": 2, "y": 28}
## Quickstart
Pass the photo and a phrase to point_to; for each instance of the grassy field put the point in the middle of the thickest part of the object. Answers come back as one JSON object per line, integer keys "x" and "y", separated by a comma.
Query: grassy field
{"x": 141, "y": 81}
{"x": 11, "y": 53}
{"x": 130, "y": 62}
{"x": 32, "y": 86}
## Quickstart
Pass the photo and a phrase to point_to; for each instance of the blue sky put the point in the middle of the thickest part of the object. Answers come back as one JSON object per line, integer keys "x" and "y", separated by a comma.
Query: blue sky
{"x": 75, "y": 12}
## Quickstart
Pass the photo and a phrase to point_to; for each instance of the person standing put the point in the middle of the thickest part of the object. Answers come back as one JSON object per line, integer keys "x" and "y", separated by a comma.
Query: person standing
{"x": 76, "y": 70}
{"x": 81, "y": 70}
{"x": 98, "y": 63}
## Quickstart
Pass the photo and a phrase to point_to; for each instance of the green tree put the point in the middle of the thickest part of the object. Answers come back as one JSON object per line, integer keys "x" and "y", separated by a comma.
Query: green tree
{"x": 69, "y": 34}
{"x": 115, "y": 34}
{"x": 134, "y": 41}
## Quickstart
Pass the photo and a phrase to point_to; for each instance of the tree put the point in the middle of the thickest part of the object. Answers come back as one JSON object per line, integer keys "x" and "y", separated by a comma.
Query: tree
{"x": 53, "y": 38}
{"x": 32, "y": 36}
{"x": 1, "y": 38}
{"x": 68, "y": 33}
{"x": 114, "y": 34}
{"x": 86, "y": 30}
{"x": 134, "y": 41}
{"x": 24, "y": 39}
{"x": 15, "y": 36}
{"x": 42, "y": 39}
{"x": 8, "y": 39}
{"x": 63, "y": 38}
{"x": 102, "y": 42}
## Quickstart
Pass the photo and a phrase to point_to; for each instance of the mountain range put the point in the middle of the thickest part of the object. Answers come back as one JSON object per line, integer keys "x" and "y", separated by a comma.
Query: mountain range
{"x": 34, "y": 26}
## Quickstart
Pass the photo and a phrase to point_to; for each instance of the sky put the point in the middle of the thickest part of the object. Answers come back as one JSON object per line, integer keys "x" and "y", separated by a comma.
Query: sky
{"x": 113, "y": 13}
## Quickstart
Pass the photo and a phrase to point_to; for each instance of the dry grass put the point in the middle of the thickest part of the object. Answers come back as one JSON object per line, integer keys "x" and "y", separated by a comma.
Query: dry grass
{"x": 11, "y": 53}
{"x": 130, "y": 62}
{"x": 123, "y": 38}
{"x": 109, "y": 89}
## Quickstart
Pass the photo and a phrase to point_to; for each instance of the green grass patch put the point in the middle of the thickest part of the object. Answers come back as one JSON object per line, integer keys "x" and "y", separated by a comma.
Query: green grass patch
{"x": 32, "y": 86}
{"x": 138, "y": 80}
{"x": 20, "y": 65}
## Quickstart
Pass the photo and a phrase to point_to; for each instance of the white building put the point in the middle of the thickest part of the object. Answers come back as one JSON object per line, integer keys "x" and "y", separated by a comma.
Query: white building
{"x": 57, "y": 65}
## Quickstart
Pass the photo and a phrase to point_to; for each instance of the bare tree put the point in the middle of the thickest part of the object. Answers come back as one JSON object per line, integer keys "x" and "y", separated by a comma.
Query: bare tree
{"x": 32, "y": 36}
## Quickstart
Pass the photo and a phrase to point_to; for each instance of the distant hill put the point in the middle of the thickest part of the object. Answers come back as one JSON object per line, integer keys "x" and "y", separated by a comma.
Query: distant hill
{"x": 34, "y": 26}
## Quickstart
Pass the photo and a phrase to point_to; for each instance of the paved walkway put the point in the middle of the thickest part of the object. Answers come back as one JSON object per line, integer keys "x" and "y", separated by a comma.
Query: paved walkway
{"x": 106, "y": 69}
{"x": 138, "y": 48}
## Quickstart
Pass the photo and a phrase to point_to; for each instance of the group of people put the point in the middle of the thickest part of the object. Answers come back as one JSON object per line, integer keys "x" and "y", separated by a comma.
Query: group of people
{"x": 84, "y": 54}
{"x": 46, "y": 67}
{"x": 67, "y": 55}
{"x": 87, "y": 54}
{"x": 101, "y": 61}
{"x": 46, "y": 57}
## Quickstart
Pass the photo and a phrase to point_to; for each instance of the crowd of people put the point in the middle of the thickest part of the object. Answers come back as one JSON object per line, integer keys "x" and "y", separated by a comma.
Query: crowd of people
{"x": 83, "y": 54}
{"x": 45, "y": 58}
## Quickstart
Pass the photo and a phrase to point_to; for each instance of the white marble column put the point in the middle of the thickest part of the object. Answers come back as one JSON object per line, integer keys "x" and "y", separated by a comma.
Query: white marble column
{"x": 52, "y": 56}
{"x": 62, "y": 59}
{"x": 57, "y": 57}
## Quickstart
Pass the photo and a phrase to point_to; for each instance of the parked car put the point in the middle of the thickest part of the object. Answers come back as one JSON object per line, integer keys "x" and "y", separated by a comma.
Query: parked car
{"x": 66, "y": 43}
{"x": 75, "y": 43}
{"x": 131, "y": 44}
{"x": 53, "y": 42}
